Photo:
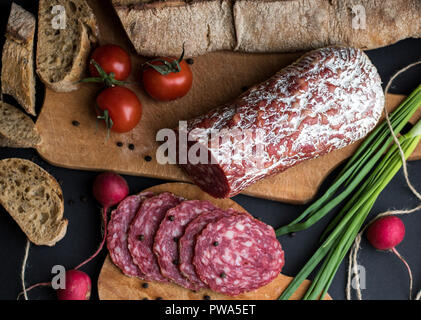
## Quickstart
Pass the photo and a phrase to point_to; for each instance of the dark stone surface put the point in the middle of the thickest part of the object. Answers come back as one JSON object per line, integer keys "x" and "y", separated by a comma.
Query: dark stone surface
{"x": 386, "y": 276}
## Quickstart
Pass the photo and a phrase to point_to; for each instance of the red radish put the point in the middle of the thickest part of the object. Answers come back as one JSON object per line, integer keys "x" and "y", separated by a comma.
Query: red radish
{"x": 109, "y": 189}
{"x": 78, "y": 286}
{"x": 385, "y": 234}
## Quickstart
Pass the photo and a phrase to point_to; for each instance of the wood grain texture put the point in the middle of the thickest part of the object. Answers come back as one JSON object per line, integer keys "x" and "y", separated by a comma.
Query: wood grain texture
{"x": 114, "y": 285}
{"x": 219, "y": 77}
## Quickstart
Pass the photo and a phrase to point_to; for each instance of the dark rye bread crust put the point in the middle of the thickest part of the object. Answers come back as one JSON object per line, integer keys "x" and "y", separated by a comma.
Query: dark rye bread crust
{"x": 159, "y": 28}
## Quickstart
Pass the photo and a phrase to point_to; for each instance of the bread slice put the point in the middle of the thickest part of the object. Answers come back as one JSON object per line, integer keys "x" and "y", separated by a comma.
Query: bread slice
{"x": 160, "y": 28}
{"x": 34, "y": 200}
{"x": 62, "y": 54}
{"x": 17, "y": 130}
{"x": 17, "y": 74}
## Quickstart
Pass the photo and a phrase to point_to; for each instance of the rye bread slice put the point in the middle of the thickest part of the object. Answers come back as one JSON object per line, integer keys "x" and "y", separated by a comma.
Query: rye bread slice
{"x": 34, "y": 200}
{"x": 17, "y": 130}
{"x": 62, "y": 54}
{"x": 17, "y": 74}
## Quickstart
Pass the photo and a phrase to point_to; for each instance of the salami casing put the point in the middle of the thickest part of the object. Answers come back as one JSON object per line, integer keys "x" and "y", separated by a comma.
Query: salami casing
{"x": 328, "y": 99}
{"x": 169, "y": 232}
{"x": 117, "y": 234}
{"x": 188, "y": 241}
{"x": 237, "y": 254}
{"x": 142, "y": 232}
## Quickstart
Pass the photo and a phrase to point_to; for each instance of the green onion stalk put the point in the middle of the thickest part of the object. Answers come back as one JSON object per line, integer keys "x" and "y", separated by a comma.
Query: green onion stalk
{"x": 342, "y": 231}
{"x": 358, "y": 167}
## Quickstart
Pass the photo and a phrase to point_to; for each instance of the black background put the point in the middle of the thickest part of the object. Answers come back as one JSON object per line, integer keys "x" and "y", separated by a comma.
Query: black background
{"x": 386, "y": 276}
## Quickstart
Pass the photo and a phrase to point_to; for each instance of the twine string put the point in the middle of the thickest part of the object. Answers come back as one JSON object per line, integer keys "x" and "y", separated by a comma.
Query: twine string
{"x": 353, "y": 255}
{"x": 22, "y": 275}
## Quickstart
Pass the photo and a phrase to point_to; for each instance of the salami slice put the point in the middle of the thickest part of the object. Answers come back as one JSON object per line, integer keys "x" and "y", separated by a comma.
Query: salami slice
{"x": 237, "y": 254}
{"x": 117, "y": 233}
{"x": 188, "y": 241}
{"x": 171, "y": 229}
{"x": 142, "y": 232}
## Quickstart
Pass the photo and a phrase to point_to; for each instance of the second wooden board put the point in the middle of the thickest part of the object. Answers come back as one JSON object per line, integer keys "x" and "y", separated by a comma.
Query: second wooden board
{"x": 218, "y": 78}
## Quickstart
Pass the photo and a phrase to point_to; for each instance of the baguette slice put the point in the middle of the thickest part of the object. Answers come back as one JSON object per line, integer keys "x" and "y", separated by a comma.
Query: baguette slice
{"x": 17, "y": 72}
{"x": 62, "y": 54}
{"x": 17, "y": 130}
{"x": 34, "y": 200}
{"x": 160, "y": 28}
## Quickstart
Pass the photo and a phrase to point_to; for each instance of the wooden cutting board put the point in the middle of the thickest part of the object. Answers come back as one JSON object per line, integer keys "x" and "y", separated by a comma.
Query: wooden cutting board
{"x": 218, "y": 78}
{"x": 114, "y": 285}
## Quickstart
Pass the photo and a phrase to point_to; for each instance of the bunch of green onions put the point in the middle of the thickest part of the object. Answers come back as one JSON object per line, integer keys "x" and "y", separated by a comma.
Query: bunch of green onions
{"x": 342, "y": 231}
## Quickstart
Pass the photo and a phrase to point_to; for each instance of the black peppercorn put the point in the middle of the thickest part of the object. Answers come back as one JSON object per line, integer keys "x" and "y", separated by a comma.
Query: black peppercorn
{"x": 159, "y": 298}
{"x": 148, "y": 158}
{"x": 175, "y": 239}
{"x": 131, "y": 146}
{"x": 206, "y": 297}
{"x": 216, "y": 243}
{"x": 141, "y": 237}
{"x": 75, "y": 123}
{"x": 223, "y": 275}
{"x": 189, "y": 61}
{"x": 171, "y": 218}
{"x": 145, "y": 298}
{"x": 175, "y": 262}
{"x": 145, "y": 285}
{"x": 119, "y": 144}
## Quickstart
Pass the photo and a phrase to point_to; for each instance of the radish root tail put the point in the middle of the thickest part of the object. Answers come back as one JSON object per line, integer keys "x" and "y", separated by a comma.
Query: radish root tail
{"x": 104, "y": 237}
{"x": 407, "y": 267}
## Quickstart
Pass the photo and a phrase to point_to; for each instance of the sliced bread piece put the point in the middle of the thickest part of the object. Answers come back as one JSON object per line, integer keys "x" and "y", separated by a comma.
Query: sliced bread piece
{"x": 160, "y": 28}
{"x": 34, "y": 200}
{"x": 62, "y": 54}
{"x": 17, "y": 130}
{"x": 17, "y": 74}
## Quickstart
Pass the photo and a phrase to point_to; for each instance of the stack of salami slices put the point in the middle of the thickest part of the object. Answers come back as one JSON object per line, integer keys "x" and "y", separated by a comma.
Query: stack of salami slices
{"x": 193, "y": 243}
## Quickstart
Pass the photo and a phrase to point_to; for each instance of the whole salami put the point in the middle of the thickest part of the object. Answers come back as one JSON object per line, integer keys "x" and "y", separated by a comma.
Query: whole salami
{"x": 166, "y": 239}
{"x": 188, "y": 241}
{"x": 237, "y": 254}
{"x": 117, "y": 233}
{"x": 142, "y": 232}
{"x": 328, "y": 99}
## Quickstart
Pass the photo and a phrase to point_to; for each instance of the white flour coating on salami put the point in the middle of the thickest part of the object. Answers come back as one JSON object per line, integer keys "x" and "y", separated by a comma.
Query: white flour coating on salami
{"x": 328, "y": 99}
{"x": 142, "y": 232}
{"x": 166, "y": 239}
{"x": 188, "y": 241}
{"x": 117, "y": 233}
{"x": 237, "y": 254}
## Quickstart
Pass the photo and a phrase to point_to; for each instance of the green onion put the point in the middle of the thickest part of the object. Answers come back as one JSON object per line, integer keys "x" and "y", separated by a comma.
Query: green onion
{"x": 342, "y": 231}
{"x": 358, "y": 167}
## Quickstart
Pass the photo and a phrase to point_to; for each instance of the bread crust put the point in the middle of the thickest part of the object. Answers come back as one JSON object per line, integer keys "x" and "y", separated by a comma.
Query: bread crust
{"x": 17, "y": 74}
{"x": 158, "y": 28}
{"x": 161, "y": 29}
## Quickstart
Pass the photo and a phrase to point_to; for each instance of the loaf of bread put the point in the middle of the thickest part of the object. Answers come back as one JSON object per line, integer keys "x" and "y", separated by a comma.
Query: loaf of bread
{"x": 159, "y": 28}
{"x": 34, "y": 200}
{"x": 17, "y": 74}
{"x": 17, "y": 130}
{"x": 64, "y": 45}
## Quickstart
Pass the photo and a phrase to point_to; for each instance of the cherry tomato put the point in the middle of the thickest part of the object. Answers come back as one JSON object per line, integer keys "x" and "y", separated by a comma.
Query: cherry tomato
{"x": 123, "y": 106}
{"x": 111, "y": 58}
{"x": 170, "y": 86}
